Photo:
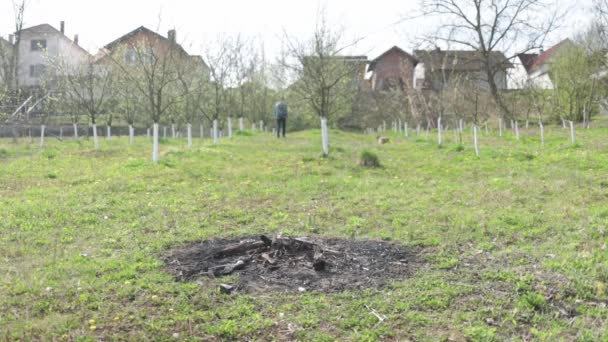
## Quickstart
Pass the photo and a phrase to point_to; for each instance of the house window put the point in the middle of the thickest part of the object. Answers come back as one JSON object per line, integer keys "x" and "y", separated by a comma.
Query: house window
{"x": 37, "y": 70}
{"x": 130, "y": 56}
{"x": 38, "y": 44}
{"x": 146, "y": 56}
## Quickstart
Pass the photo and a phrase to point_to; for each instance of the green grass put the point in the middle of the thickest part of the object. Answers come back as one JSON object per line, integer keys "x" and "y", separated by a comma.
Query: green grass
{"x": 514, "y": 241}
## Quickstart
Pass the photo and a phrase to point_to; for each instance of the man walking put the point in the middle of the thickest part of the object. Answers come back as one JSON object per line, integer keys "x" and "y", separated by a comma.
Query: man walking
{"x": 280, "y": 112}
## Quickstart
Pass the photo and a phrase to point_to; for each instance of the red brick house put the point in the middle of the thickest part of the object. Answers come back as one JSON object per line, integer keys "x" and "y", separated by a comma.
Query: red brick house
{"x": 392, "y": 69}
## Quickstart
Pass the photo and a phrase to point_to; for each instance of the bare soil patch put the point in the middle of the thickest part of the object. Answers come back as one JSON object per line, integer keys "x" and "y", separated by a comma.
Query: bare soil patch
{"x": 294, "y": 264}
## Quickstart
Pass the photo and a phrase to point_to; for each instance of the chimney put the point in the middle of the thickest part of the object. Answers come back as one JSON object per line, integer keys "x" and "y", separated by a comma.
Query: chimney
{"x": 62, "y": 27}
{"x": 11, "y": 39}
{"x": 171, "y": 35}
{"x": 76, "y": 39}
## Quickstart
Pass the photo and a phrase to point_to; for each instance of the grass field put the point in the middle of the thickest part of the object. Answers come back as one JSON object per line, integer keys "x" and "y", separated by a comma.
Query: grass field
{"x": 513, "y": 243}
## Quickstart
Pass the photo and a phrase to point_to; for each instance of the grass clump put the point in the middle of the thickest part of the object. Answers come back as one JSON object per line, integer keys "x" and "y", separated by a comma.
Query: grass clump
{"x": 369, "y": 159}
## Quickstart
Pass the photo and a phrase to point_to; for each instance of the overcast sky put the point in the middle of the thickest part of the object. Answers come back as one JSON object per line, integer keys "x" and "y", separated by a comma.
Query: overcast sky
{"x": 199, "y": 21}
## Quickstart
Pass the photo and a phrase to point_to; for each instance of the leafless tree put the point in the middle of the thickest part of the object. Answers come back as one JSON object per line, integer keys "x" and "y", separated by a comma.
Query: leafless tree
{"x": 153, "y": 72}
{"x": 221, "y": 60}
{"x": 489, "y": 26}
{"x": 325, "y": 78}
{"x": 89, "y": 87}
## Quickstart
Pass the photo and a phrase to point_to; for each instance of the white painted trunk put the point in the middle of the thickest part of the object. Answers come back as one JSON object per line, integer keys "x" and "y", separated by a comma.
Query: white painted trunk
{"x": 215, "y": 132}
{"x": 75, "y": 126}
{"x": 563, "y": 124}
{"x": 439, "y": 131}
{"x": 230, "y": 128}
{"x": 61, "y": 133}
{"x": 324, "y": 137}
{"x": 131, "y": 135}
{"x": 261, "y": 126}
{"x": 542, "y": 133}
{"x": 512, "y": 125}
{"x": 95, "y": 137}
{"x": 147, "y": 133}
{"x": 189, "y": 135}
{"x": 173, "y": 134}
{"x": 202, "y": 133}
{"x": 475, "y": 140}
{"x": 516, "y": 130}
{"x": 418, "y": 129}
{"x": 572, "y": 136}
{"x": 527, "y": 124}
{"x": 164, "y": 132}
{"x": 109, "y": 133}
{"x": 241, "y": 125}
{"x": 383, "y": 125}
{"x": 487, "y": 132}
{"x": 460, "y": 126}
{"x": 155, "y": 156}
{"x": 406, "y": 130}
{"x": 253, "y": 127}
{"x": 500, "y": 127}
{"x": 42, "y": 135}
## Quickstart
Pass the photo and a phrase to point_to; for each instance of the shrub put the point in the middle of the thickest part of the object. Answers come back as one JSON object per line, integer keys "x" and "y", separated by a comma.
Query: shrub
{"x": 369, "y": 159}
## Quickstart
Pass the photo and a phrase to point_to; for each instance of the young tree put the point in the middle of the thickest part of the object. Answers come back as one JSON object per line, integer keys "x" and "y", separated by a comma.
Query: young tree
{"x": 220, "y": 58}
{"x": 325, "y": 79}
{"x": 153, "y": 71}
{"x": 89, "y": 87}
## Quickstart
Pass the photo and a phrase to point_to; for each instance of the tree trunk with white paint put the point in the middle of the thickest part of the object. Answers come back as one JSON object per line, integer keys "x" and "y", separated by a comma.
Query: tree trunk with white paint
{"x": 253, "y": 127}
{"x": 173, "y": 134}
{"x": 75, "y": 126}
{"x": 215, "y": 132}
{"x": 189, "y": 135}
{"x": 527, "y": 124}
{"x": 542, "y": 133}
{"x": 572, "y": 136}
{"x": 155, "y": 154}
{"x": 439, "y": 131}
{"x": 95, "y": 137}
{"x": 42, "y": 135}
{"x": 500, "y": 127}
{"x": 516, "y": 130}
{"x": 241, "y": 125}
{"x": 487, "y": 131}
{"x": 164, "y": 132}
{"x": 147, "y": 132}
{"x": 202, "y": 131}
{"x": 261, "y": 126}
{"x": 230, "y": 128}
{"x": 475, "y": 140}
{"x": 109, "y": 133}
{"x": 460, "y": 126}
{"x": 324, "y": 137}
{"x": 406, "y": 130}
{"x": 131, "y": 135}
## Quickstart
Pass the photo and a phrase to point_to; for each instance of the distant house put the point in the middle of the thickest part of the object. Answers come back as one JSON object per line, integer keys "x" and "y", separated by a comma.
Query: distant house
{"x": 438, "y": 69}
{"x": 42, "y": 45}
{"x": 128, "y": 47}
{"x": 534, "y": 70}
{"x": 393, "y": 69}
{"x": 519, "y": 75}
{"x": 540, "y": 71}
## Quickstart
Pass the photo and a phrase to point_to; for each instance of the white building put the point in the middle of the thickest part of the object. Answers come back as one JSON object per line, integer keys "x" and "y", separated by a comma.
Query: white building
{"x": 534, "y": 70}
{"x": 42, "y": 45}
